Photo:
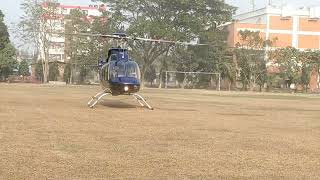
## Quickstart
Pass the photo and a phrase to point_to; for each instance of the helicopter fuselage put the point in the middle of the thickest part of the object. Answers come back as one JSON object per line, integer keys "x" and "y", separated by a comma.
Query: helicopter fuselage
{"x": 119, "y": 75}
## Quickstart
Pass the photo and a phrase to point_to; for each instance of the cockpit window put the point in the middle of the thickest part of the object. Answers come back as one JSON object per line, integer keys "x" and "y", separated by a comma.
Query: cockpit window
{"x": 132, "y": 70}
{"x": 117, "y": 70}
{"x": 121, "y": 70}
{"x": 124, "y": 69}
{"x": 113, "y": 57}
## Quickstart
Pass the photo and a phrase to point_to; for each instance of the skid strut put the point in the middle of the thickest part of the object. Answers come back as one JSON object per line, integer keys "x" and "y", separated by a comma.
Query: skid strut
{"x": 142, "y": 101}
{"x": 95, "y": 99}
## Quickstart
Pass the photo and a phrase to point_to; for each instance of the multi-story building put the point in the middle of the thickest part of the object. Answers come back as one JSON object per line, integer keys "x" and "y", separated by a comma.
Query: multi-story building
{"x": 57, "y": 42}
{"x": 298, "y": 28}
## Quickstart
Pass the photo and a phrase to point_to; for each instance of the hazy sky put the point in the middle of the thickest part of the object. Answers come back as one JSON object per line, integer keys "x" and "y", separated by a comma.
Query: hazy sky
{"x": 244, "y": 5}
{"x": 12, "y": 11}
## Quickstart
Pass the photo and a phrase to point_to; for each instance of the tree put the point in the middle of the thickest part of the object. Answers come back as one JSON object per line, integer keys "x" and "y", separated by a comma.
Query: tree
{"x": 250, "y": 54}
{"x": 290, "y": 64}
{"x": 84, "y": 51}
{"x": 215, "y": 58}
{"x": 67, "y": 73}
{"x": 4, "y": 34}
{"x": 76, "y": 46}
{"x": 38, "y": 23}
{"x": 83, "y": 73}
{"x": 185, "y": 60}
{"x": 7, "y": 61}
{"x": 39, "y": 71}
{"x": 150, "y": 75}
{"x": 296, "y": 66}
{"x": 24, "y": 68}
{"x": 227, "y": 67}
{"x": 7, "y": 52}
{"x": 306, "y": 75}
{"x": 53, "y": 71}
{"x": 180, "y": 20}
{"x": 310, "y": 61}
{"x": 263, "y": 77}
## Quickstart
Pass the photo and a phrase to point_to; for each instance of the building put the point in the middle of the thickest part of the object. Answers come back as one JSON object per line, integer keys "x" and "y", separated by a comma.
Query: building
{"x": 299, "y": 28}
{"x": 56, "y": 23}
{"x": 291, "y": 27}
{"x": 57, "y": 42}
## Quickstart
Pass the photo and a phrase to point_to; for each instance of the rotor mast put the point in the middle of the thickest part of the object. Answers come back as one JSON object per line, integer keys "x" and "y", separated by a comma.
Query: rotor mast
{"x": 121, "y": 41}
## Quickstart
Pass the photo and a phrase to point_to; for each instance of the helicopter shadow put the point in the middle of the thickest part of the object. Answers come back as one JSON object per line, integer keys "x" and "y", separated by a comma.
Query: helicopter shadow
{"x": 118, "y": 104}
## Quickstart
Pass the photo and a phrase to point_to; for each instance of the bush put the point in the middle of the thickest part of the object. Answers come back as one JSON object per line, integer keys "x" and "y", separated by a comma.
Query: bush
{"x": 53, "y": 71}
{"x": 24, "y": 68}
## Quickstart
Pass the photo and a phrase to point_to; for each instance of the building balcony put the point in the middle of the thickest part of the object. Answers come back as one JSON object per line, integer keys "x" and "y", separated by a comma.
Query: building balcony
{"x": 56, "y": 51}
{"x": 57, "y": 39}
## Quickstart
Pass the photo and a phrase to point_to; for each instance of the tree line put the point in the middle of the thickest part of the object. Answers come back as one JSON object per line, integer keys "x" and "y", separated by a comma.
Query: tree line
{"x": 8, "y": 59}
{"x": 290, "y": 66}
{"x": 175, "y": 20}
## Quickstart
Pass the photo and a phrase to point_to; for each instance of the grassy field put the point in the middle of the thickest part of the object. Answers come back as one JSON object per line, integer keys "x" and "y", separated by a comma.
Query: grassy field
{"x": 48, "y": 132}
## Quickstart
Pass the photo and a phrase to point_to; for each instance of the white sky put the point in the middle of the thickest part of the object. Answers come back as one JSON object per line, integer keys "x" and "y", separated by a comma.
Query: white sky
{"x": 12, "y": 11}
{"x": 244, "y": 5}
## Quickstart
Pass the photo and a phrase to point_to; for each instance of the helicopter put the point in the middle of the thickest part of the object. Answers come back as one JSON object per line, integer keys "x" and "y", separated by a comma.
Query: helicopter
{"x": 118, "y": 73}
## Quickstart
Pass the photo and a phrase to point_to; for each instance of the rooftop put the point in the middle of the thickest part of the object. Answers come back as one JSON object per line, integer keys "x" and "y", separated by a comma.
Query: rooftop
{"x": 312, "y": 12}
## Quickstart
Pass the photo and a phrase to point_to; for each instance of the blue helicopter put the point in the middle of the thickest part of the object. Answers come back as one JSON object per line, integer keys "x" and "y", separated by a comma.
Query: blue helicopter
{"x": 120, "y": 75}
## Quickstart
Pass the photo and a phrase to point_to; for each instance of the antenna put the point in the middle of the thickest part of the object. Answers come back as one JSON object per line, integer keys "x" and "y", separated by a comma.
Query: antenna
{"x": 253, "y": 4}
{"x": 277, "y": 3}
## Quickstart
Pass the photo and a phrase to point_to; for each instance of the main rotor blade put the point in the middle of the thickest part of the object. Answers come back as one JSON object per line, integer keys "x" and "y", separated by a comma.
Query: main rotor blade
{"x": 131, "y": 38}
{"x": 170, "y": 42}
{"x": 93, "y": 35}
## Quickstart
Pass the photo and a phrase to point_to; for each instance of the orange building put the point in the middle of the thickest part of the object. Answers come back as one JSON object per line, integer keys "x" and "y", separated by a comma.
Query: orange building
{"x": 299, "y": 28}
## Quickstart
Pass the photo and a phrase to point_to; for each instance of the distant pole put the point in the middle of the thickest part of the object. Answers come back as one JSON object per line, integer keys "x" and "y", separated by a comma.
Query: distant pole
{"x": 253, "y": 4}
{"x": 166, "y": 81}
{"x": 219, "y": 85}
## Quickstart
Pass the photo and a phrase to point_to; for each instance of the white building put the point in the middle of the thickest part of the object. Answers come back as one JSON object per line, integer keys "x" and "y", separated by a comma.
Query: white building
{"x": 57, "y": 41}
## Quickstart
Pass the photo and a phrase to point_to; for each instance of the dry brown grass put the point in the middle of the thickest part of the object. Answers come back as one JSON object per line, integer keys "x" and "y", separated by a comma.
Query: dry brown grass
{"x": 49, "y": 133}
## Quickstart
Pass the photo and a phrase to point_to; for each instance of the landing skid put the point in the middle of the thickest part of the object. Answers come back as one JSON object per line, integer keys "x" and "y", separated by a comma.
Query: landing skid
{"x": 141, "y": 101}
{"x": 95, "y": 99}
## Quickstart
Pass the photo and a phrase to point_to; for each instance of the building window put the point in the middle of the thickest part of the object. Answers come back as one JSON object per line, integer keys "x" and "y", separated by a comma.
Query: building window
{"x": 85, "y": 12}
{"x": 313, "y": 19}
{"x": 64, "y": 11}
{"x": 55, "y": 57}
{"x": 286, "y": 18}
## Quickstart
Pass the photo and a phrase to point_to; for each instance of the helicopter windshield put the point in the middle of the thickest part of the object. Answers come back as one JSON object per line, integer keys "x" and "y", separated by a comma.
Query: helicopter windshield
{"x": 121, "y": 69}
{"x": 124, "y": 69}
{"x": 132, "y": 70}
